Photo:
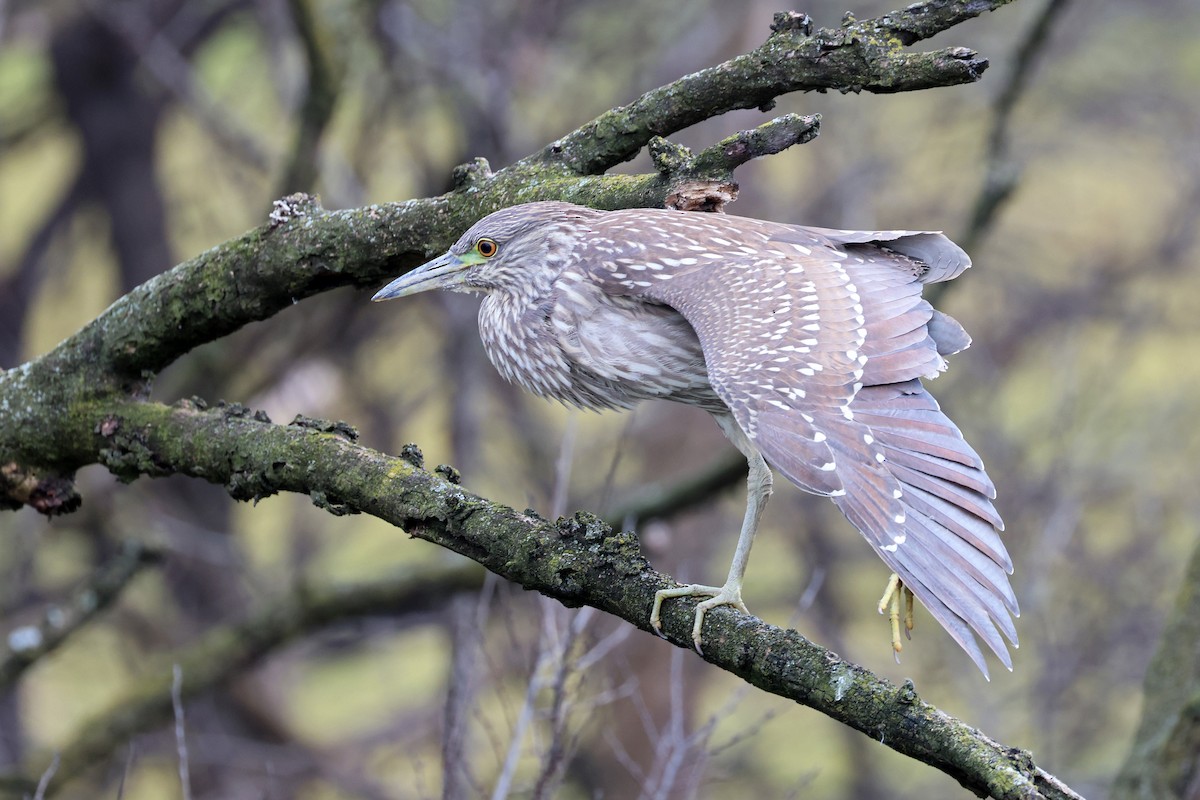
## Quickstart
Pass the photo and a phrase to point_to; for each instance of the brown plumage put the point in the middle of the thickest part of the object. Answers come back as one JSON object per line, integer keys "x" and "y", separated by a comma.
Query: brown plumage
{"x": 807, "y": 345}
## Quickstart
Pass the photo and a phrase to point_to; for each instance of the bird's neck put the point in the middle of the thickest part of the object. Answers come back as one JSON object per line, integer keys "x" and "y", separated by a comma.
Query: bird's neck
{"x": 513, "y": 329}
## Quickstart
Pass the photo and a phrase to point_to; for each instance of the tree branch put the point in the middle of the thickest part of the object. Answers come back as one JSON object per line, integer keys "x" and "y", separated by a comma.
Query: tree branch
{"x": 309, "y": 250}
{"x": 1003, "y": 173}
{"x": 325, "y": 71}
{"x": 579, "y": 561}
{"x": 859, "y": 56}
{"x": 85, "y": 402}
{"x": 29, "y": 643}
{"x": 1162, "y": 762}
{"x": 229, "y": 650}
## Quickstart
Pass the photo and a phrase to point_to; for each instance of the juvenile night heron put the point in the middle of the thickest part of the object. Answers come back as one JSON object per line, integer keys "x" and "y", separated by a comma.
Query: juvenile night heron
{"x": 807, "y": 346}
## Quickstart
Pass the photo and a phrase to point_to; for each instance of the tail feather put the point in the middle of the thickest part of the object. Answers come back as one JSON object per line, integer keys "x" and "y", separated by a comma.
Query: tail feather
{"x": 940, "y": 553}
{"x": 955, "y": 625}
{"x": 965, "y": 498}
{"x": 978, "y": 533}
{"x": 918, "y": 550}
{"x": 978, "y": 610}
{"x": 948, "y": 334}
{"x": 951, "y": 544}
{"x": 976, "y": 480}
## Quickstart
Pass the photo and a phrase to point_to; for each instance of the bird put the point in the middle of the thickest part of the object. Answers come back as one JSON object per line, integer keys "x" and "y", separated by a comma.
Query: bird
{"x": 808, "y": 347}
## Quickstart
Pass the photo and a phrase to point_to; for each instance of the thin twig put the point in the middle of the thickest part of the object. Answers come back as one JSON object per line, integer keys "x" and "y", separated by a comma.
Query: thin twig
{"x": 166, "y": 65}
{"x": 461, "y": 692}
{"x": 127, "y": 771}
{"x": 320, "y": 97}
{"x": 659, "y": 503}
{"x": 508, "y": 772}
{"x": 562, "y": 467}
{"x": 47, "y": 775}
{"x": 28, "y": 644}
{"x": 671, "y": 748}
{"x": 185, "y": 781}
{"x": 554, "y": 760}
{"x": 1002, "y": 172}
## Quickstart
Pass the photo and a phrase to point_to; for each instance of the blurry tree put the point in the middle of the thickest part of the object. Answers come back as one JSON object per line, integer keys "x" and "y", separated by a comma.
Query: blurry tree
{"x": 161, "y": 633}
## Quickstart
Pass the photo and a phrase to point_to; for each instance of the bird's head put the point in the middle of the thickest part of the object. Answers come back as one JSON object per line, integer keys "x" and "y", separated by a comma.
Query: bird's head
{"x": 514, "y": 249}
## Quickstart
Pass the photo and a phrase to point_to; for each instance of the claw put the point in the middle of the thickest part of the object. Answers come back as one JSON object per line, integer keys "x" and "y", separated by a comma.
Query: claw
{"x": 727, "y": 595}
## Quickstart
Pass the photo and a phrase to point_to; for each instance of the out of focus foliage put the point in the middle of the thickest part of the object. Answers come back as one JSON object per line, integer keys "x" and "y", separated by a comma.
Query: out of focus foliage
{"x": 138, "y": 133}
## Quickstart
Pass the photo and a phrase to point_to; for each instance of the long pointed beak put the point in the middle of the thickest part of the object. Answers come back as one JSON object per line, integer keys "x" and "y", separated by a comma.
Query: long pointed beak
{"x": 444, "y": 272}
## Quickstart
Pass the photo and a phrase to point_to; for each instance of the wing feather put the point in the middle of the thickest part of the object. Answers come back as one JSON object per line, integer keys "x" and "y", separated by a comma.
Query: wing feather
{"x": 816, "y": 340}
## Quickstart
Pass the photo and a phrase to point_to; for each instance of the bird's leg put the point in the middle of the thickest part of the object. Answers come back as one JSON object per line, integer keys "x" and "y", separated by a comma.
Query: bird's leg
{"x": 758, "y": 485}
{"x": 891, "y": 603}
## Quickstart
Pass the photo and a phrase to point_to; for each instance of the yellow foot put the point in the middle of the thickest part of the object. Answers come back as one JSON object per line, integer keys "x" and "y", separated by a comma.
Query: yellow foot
{"x": 891, "y": 603}
{"x": 727, "y": 595}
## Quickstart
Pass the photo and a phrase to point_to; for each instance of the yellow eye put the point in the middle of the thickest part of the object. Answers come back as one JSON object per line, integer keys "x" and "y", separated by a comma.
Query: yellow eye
{"x": 486, "y": 248}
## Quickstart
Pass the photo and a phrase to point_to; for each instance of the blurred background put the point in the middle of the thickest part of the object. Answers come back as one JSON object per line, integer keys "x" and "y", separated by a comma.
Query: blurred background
{"x": 137, "y": 134}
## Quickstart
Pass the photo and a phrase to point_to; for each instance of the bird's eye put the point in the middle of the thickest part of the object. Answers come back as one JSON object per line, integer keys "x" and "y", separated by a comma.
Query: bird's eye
{"x": 486, "y": 248}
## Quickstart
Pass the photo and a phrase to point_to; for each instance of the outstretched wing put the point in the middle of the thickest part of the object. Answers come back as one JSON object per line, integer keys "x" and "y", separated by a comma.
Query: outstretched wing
{"x": 816, "y": 339}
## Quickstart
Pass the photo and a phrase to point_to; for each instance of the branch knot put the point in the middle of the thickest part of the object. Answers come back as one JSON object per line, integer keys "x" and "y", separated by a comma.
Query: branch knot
{"x": 792, "y": 21}
{"x": 295, "y": 205}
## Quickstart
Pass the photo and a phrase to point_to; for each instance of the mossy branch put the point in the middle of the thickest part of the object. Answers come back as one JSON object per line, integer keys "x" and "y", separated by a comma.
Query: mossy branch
{"x": 85, "y": 402}
{"x": 579, "y": 561}
{"x": 304, "y": 250}
{"x": 866, "y": 55}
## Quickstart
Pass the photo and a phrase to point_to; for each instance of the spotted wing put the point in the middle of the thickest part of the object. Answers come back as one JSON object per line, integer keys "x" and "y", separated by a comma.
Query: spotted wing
{"x": 779, "y": 327}
{"x": 815, "y": 340}
{"x": 948, "y": 548}
{"x": 783, "y": 328}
